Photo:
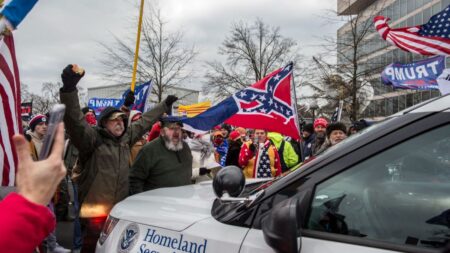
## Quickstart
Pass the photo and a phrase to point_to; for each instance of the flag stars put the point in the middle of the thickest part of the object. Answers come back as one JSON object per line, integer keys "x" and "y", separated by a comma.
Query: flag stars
{"x": 254, "y": 96}
{"x": 242, "y": 94}
{"x": 262, "y": 98}
{"x": 277, "y": 77}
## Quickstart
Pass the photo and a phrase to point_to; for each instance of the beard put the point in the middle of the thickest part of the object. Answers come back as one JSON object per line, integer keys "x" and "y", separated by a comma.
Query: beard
{"x": 171, "y": 146}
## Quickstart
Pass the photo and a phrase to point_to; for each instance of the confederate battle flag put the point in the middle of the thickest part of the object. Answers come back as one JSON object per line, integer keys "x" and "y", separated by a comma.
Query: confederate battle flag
{"x": 267, "y": 104}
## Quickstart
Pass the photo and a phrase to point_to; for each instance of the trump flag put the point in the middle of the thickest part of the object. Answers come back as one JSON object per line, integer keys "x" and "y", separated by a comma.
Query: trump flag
{"x": 267, "y": 104}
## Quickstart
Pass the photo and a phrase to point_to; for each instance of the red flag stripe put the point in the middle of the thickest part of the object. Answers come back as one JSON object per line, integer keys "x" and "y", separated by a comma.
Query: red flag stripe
{"x": 408, "y": 46}
{"x": 431, "y": 44}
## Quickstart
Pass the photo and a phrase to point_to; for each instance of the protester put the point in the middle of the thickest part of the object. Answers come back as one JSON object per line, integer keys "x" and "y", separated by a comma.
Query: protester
{"x": 226, "y": 130}
{"x": 320, "y": 131}
{"x": 35, "y": 136}
{"x": 154, "y": 132}
{"x": 357, "y": 126}
{"x": 24, "y": 218}
{"x": 308, "y": 138}
{"x": 89, "y": 116}
{"x": 287, "y": 154}
{"x": 163, "y": 162}
{"x": 243, "y": 133}
{"x": 336, "y": 132}
{"x": 203, "y": 160}
{"x": 221, "y": 146}
{"x": 259, "y": 158}
{"x": 104, "y": 153}
{"x": 234, "y": 148}
{"x": 135, "y": 116}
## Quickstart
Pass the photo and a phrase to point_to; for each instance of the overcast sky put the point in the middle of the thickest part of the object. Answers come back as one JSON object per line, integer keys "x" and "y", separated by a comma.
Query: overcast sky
{"x": 59, "y": 32}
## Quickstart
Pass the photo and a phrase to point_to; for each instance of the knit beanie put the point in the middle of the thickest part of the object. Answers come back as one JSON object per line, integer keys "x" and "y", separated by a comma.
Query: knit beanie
{"x": 87, "y": 109}
{"x": 308, "y": 128}
{"x": 320, "y": 122}
{"x": 36, "y": 120}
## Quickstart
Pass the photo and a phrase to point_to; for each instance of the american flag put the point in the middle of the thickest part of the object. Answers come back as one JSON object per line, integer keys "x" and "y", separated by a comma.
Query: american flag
{"x": 10, "y": 121}
{"x": 432, "y": 38}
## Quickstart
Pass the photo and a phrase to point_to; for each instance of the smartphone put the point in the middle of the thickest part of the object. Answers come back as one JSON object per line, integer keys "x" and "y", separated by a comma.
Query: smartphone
{"x": 56, "y": 117}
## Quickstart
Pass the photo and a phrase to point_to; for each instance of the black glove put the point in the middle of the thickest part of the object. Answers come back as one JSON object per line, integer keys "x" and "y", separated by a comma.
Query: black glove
{"x": 129, "y": 99}
{"x": 170, "y": 100}
{"x": 203, "y": 171}
{"x": 70, "y": 79}
{"x": 252, "y": 148}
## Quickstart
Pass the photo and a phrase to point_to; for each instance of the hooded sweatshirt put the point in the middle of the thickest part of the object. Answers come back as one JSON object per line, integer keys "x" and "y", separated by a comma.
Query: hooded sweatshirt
{"x": 289, "y": 155}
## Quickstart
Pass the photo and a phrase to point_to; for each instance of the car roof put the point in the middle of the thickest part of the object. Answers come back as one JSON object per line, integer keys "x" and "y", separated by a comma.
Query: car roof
{"x": 436, "y": 104}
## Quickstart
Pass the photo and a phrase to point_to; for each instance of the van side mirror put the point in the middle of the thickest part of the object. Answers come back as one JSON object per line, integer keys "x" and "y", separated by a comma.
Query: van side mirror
{"x": 230, "y": 180}
{"x": 280, "y": 228}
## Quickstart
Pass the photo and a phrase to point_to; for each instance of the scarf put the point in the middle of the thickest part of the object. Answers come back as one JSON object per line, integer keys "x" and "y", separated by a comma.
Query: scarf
{"x": 263, "y": 168}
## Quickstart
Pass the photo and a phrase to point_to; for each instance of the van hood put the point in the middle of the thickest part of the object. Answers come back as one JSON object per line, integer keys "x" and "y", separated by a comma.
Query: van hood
{"x": 174, "y": 208}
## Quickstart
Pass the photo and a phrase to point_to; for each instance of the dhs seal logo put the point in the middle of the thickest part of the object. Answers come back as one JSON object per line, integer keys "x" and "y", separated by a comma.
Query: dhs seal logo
{"x": 128, "y": 238}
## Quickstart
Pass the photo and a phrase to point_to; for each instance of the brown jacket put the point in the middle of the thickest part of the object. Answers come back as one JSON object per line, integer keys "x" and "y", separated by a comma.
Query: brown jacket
{"x": 103, "y": 165}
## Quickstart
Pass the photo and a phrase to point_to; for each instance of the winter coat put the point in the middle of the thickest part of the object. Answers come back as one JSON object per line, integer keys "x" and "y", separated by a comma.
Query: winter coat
{"x": 317, "y": 144}
{"x": 248, "y": 160}
{"x": 307, "y": 145}
{"x": 221, "y": 152}
{"x": 202, "y": 152}
{"x": 234, "y": 149}
{"x": 35, "y": 144}
{"x": 24, "y": 224}
{"x": 289, "y": 155}
{"x": 157, "y": 167}
{"x": 103, "y": 165}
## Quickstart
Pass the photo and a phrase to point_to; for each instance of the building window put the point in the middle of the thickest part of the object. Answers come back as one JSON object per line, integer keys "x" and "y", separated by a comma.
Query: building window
{"x": 436, "y": 8}
{"x": 403, "y": 10}
{"x": 445, "y": 3}
{"x": 427, "y": 14}
{"x": 409, "y": 100}
{"x": 401, "y": 102}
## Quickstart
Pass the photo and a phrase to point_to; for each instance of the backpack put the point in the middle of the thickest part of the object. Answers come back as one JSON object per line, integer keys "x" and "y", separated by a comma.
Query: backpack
{"x": 284, "y": 167}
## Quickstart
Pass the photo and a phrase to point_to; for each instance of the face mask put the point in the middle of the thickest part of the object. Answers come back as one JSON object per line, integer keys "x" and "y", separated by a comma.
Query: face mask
{"x": 90, "y": 119}
{"x": 218, "y": 141}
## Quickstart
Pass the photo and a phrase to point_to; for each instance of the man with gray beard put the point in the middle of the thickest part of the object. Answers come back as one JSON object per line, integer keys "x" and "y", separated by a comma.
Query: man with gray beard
{"x": 163, "y": 162}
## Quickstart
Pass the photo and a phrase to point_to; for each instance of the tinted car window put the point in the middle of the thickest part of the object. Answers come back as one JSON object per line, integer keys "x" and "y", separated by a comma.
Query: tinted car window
{"x": 400, "y": 195}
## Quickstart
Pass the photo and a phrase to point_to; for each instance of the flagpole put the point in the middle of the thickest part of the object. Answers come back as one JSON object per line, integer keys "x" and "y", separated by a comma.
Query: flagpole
{"x": 296, "y": 112}
{"x": 136, "y": 52}
{"x": 295, "y": 101}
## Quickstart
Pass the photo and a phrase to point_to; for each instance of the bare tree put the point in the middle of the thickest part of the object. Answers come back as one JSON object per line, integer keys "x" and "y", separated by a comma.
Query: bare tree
{"x": 348, "y": 79}
{"x": 41, "y": 103}
{"x": 162, "y": 58}
{"x": 252, "y": 52}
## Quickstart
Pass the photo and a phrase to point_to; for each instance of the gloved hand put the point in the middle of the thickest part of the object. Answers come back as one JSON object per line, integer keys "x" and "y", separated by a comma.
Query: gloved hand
{"x": 252, "y": 147}
{"x": 169, "y": 101}
{"x": 203, "y": 171}
{"x": 70, "y": 78}
{"x": 129, "y": 99}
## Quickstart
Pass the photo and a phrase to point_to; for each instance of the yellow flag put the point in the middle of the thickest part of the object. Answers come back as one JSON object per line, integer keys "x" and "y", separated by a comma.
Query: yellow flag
{"x": 194, "y": 109}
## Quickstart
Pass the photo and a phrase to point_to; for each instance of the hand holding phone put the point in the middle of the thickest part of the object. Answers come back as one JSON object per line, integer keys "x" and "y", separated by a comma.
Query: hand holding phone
{"x": 56, "y": 117}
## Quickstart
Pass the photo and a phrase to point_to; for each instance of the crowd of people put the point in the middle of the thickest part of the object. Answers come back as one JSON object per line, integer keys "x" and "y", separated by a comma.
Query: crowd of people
{"x": 123, "y": 152}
